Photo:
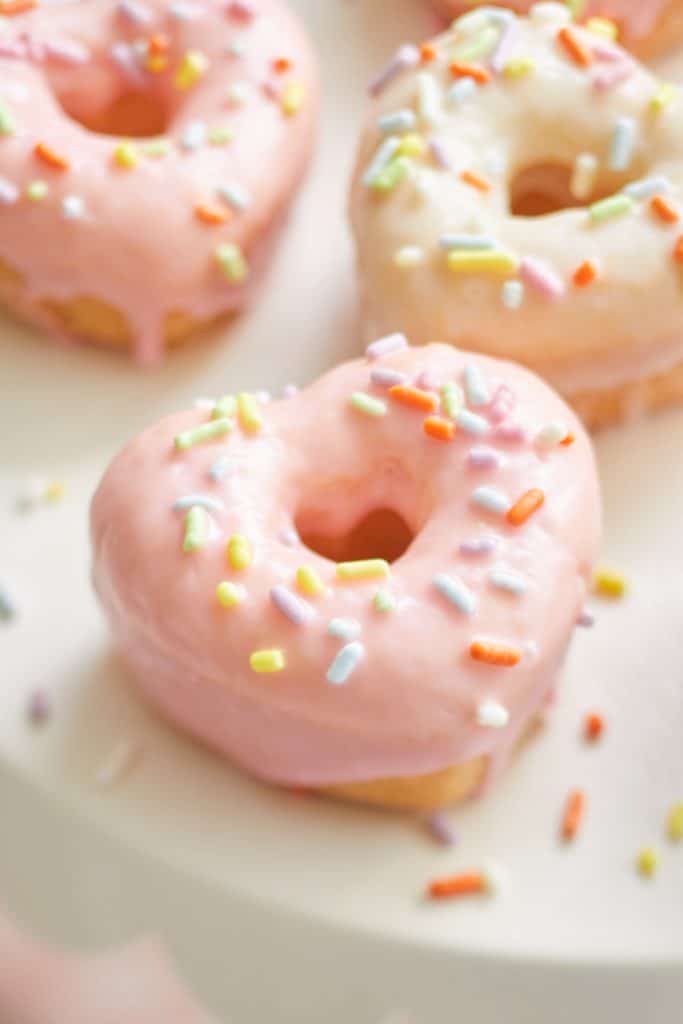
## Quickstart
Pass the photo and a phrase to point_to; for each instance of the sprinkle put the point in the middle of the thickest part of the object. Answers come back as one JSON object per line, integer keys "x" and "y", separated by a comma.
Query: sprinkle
{"x": 647, "y": 862}
{"x": 414, "y": 398}
{"x": 39, "y": 707}
{"x": 574, "y": 812}
{"x": 452, "y": 399}
{"x": 678, "y": 250}
{"x": 409, "y": 256}
{"x": 36, "y": 191}
{"x": 490, "y": 653}
{"x": 614, "y": 206}
{"x": 610, "y": 77}
{"x": 664, "y": 210}
{"x": 366, "y": 569}
{"x": 512, "y": 294}
{"x": 484, "y": 458}
{"x": 511, "y": 433}
{"x": 575, "y": 47}
{"x": 440, "y": 153}
{"x": 412, "y": 145}
{"x": 293, "y": 98}
{"x": 455, "y": 591}
{"x": 476, "y": 389}
{"x": 205, "y": 501}
{"x": 196, "y": 529}
{"x": 463, "y": 69}
{"x": 134, "y": 12}
{"x": 468, "y": 243}
{"x": 224, "y": 407}
{"x": 428, "y": 98}
{"x": 472, "y": 423}
{"x": 646, "y": 188}
{"x": 8, "y": 609}
{"x": 594, "y": 726}
{"x": 219, "y": 468}
{"x": 586, "y": 619}
{"x": 385, "y": 346}
{"x": 426, "y": 380}
{"x": 583, "y": 176}
{"x": 439, "y": 428}
{"x": 383, "y": 377}
{"x": 384, "y": 601}
{"x": 461, "y": 90}
{"x": 522, "y": 510}
{"x": 381, "y": 160}
{"x": 610, "y": 584}
{"x": 541, "y": 278}
{"x": 623, "y": 144}
{"x": 478, "y": 547}
{"x": 289, "y": 537}
{"x": 520, "y": 67}
{"x": 397, "y": 123}
{"x": 249, "y": 413}
{"x": 211, "y": 215}
{"x": 585, "y": 274}
{"x": 440, "y": 829}
{"x": 119, "y": 762}
{"x": 237, "y": 196}
{"x": 239, "y": 552}
{"x": 478, "y": 48}
{"x": 675, "y": 823}
{"x": 298, "y": 612}
{"x": 220, "y": 135}
{"x": 367, "y": 404}
{"x": 663, "y": 98}
{"x": 492, "y": 715}
{"x": 232, "y": 262}
{"x": 392, "y": 175}
{"x": 344, "y": 629}
{"x": 511, "y": 582}
{"x": 428, "y": 53}
{"x": 194, "y": 136}
{"x": 205, "y": 432}
{"x": 476, "y": 181}
{"x": 126, "y": 156}
{"x": 267, "y": 662}
{"x": 482, "y": 262}
{"x": 308, "y": 582}
{"x": 405, "y": 57}
{"x": 550, "y": 435}
{"x": 9, "y": 193}
{"x": 157, "y": 148}
{"x": 229, "y": 595}
{"x": 490, "y": 499}
{"x": 7, "y": 123}
{"x": 192, "y": 68}
{"x": 180, "y": 11}
{"x": 73, "y": 207}
{"x": 345, "y": 663}
{"x": 603, "y": 27}
{"x": 240, "y": 10}
{"x": 550, "y": 14}
{"x": 470, "y": 883}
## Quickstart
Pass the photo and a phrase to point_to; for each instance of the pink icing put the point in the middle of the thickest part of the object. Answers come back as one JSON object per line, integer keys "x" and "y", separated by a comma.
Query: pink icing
{"x": 321, "y": 465}
{"x": 637, "y": 18}
{"x": 138, "y": 244}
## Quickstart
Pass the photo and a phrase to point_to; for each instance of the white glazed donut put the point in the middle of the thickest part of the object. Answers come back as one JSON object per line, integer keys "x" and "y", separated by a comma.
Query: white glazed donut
{"x": 518, "y": 192}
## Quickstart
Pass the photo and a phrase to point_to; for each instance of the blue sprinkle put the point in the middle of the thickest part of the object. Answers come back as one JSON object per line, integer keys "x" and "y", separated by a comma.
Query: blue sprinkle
{"x": 623, "y": 143}
{"x": 504, "y": 579}
{"x": 203, "y": 500}
{"x": 345, "y": 663}
{"x": 461, "y": 90}
{"x": 344, "y": 629}
{"x": 471, "y": 423}
{"x": 401, "y": 121}
{"x": 8, "y": 609}
{"x": 219, "y": 468}
{"x": 646, "y": 188}
{"x": 194, "y": 135}
{"x": 456, "y": 592}
{"x": 490, "y": 499}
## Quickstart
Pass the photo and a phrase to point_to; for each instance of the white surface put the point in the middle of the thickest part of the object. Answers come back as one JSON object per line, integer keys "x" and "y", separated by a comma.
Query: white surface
{"x": 287, "y": 908}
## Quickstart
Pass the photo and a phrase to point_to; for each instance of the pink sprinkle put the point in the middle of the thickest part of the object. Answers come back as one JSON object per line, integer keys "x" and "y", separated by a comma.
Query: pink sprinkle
{"x": 541, "y": 277}
{"x": 39, "y": 708}
{"x": 606, "y": 52}
{"x": 506, "y": 44}
{"x": 240, "y": 10}
{"x": 271, "y": 90}
{"x": 502, "y": 404}
{"x": 478, "y": 547}
{"x": 407, "y": 56}
{"x": 384, "y": 346}
{"x": 292, "y": 607}
{"x": 440, "y": 154}
{"x": 426, "y": 381}
{"x": 608, "y": 78}
{"x": 67, "y": 51}
{"x": 440, "y": 829}
{"x": 383, "y": 377}
{"x": 484, "y": 458}
{"x": 514, "y": 433}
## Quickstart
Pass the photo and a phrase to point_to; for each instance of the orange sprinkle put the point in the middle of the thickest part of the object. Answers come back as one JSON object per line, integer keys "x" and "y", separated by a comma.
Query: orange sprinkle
{"x": 585, "y": 274}
{"x": 579, "y": 53}
{"x": 281, "y": 65}
{"x": 678, "y": 250}
{"x": 574, "y": 811}
{"x": 462, "y": 69}
{"x": 209, "y": 214}
{"x": 525, "y": 507}
{"x": 439, "y": 428}
{"x": 157, "y": 44}
{"x": 476, "y": 181}
{"x": 594, "y": 726}
{"x": 495, "y": 654}
{"x": 9, "y": 7}
{"x": 50, "y": 157}
{"x": 416, "y": 398}
{"x": 427, "y": 53}
{"x": 569, "y": 439}
{"x": 664, "y": 210}
{"x": 467, "y": 884}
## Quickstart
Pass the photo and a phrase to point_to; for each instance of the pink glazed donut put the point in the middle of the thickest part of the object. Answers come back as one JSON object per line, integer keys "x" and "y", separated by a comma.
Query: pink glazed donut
{"x": 368, "y": 588}
{"x": 647, "y": 27}
{"x": 149, "y": 150}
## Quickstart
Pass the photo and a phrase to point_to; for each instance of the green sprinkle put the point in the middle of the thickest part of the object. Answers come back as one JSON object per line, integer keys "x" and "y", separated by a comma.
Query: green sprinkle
{"x": 663, "y": 98}
{"x": 224, "y": 407}
{"x": 577, "y": 8}
{"x": 229, "y": 595}
{"x": 266, "y": 662}
{"x": 613, "y": 206}
{"x": 232, "y": 262}
{"x": 7, "y": 123}
{"x": 391, "y": 175}
{"x": 220, "y": 135}
{"x": 479, "y": 47}
{"x": 452, "y": 399}
{"x": 36, "y": 191}
{"x": 206, "y": 432}
{"x": 196, "y": 528}
{"x": 157, "y": 147}
{"x": 384, "y": 601}
{"x": 366, "y": 569}
{"x": 367, "y": 404}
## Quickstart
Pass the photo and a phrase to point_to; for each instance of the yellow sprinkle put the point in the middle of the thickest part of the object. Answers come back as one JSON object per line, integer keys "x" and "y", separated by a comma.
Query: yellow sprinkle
{"x": 484, "y": 262}
{"x": 647, "y": 862}
{"x": 519, "y": 68}
{"x": 266, "y": 662}
{"x": 54, "y": 491}
{"x": 663, "y": 98}
{"x": 675, "y": 823}
{"x": 239, "y": 552}
{"x": 608, "y": 583}
{"x": 126, "y": 155}
{"x": 308, "y": 582}
{"x": 36, "y": 190}
{"x": 293, "y": 98}
{"x": 249, "y": 412}
{"x": 229, "y": 595}
{"x": 604, "y": 27}
{"x": 412, "y": 145}
{"x": 369, "y": 569}
{"x": 193, "y": 66}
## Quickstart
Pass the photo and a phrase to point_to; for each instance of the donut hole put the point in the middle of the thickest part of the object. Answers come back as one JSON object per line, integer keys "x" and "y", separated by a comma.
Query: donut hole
{"x": 545, "y": 188}
{"x": 381, "y": 533}
{"x": 128, "y": 115}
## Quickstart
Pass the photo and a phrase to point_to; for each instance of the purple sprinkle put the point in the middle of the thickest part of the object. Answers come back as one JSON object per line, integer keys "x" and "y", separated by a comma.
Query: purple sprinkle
{"x": 292, "y": 607}
{"x": 586, "y": 619}
{"x": 607, "y": 52}
{"x": 506, "y": 44}
{"x": 290, "y": 390}
{"x": 15, "y": 48}
{"x": 502, "y": 404}
{"x": 9, "y": 193}
{"x": 289, "y": 537}
{"x": 608, "y": 78}
{"x": 426, "y": 381}
{"x": 438, "y": 151}
{"x": 543, "y": 278}
{"x": 440, "y": 829}
{"x": 384, "y": 346}
{"x": 383, "y": 377}
{"x": 478, "y": 547}
{"x": 39, "y": 707}
{"x": 405, "y": 57}
{"x": 484, "y": 458}
{"x": 67, "y": 51}
{"x": 124, "y": 56}
{"x": 512, "y": 432}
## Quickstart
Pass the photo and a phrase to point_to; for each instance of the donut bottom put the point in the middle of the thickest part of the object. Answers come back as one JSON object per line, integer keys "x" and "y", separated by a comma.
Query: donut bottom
{"x": 417, "y": 792}
{"x": 600, "y": 409}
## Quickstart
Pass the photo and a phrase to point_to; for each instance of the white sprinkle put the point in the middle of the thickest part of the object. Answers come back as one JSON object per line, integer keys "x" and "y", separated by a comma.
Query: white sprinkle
{"x": 66, "y": 51}
{"x": 455, "y": 591}
{"x": 550, "y": 435}
{"x": 123, "y": 54}
{"x": 236, "y": 48}
{"x": 385, "y": 346}
{"x": 623, "y": 144}
{"x": 646, "y": 188}
{"x": 383, "y": 377}
{"x": 512, "y": 294}
{"x": 238, "y": 93}
{"x": 219, "y": 468}
{"x": 406, "y": 56}
{"x": 345, "y": 663}
{"x": 344, "y": 629}
{"x": 194, "y": 135}
{"x": 9, "y": 193}
{"x": 469, "y": 243}
{"x": 181, "y": 11}
{"x": 118, "y": 762}
{"x": 490, "y": 499}
{"x": 409, "y": 256}
{"x": 495, "y": 877}
{"x": 550, "y": 14}
{"x": 398, "y": 122}
{"x": 476, "y": 388}
{"x": 203, "y": 500}
{"x": 583, "y": 176}
{"x": 134, "y": 12}
{"x": 381, "y": 158}
{"x": 461, "y": 90}
{"x": 505, "y": 579}
{"x": 73, "y": 207}
{"x": 428, "y": 98}
{"x": 236, "y": 195}
{"x": 492, "y": 715}
{"x": 471, "y": 423}
{"x": 484, "y": 458}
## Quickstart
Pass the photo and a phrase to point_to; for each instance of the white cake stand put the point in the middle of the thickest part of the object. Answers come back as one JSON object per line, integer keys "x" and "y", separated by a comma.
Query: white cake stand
{"x": 286, "y": 908}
